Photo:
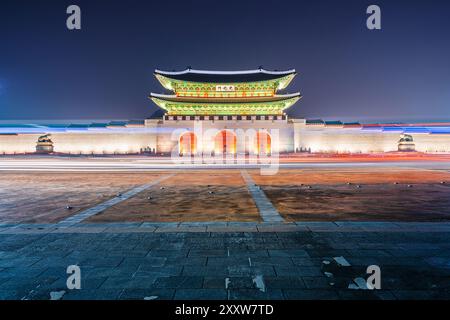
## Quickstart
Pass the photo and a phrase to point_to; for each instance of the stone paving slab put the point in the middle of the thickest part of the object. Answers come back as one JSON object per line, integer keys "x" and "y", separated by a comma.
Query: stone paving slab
{"x": 200, "y": 294}
{"x": 224, "y": 265}
{"x": 147, "y": 294}
{"x": 229, "y": 227}
{"x": 232, "y": 229}
{"x": 155, "y": 224}
{"x": 182, "y": 229}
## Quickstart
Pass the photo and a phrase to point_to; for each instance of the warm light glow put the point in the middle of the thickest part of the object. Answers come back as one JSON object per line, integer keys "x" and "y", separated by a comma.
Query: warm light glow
{"x": 236, "y": 94}
{"x": 263, "y": 143}
{"x": 225, "y": 142}
{"x": 188, "y": 143}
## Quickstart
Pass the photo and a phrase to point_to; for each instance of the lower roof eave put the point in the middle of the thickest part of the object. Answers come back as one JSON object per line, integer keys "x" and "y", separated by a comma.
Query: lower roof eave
{"x": 224, "y": 100}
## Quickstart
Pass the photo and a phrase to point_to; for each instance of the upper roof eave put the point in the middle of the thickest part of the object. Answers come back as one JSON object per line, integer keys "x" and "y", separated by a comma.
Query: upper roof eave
{"x": 193, "y": 75}
{"x": 239, "y": 72}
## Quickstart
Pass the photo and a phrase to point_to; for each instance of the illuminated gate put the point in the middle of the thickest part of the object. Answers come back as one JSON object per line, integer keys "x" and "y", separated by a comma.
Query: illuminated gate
{"x": 188, "y": 144}
{"x": 225, "y": 143}
{"x": 263, "y": 143}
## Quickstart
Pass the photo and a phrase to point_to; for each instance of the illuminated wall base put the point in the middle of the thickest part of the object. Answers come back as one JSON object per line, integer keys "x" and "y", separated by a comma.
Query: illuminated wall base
{"x": 293, "y": 135}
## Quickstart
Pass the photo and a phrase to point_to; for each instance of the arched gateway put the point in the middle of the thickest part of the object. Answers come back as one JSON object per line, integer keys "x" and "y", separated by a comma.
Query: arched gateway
{"x": 225, "y": 142}
{"x": 235, "y": 100}
{"x": 187, "y": 144}
{"x": 263, "y": 143}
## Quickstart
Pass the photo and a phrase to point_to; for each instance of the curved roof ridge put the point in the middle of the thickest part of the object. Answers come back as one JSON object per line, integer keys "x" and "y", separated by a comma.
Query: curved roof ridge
{"x": 162, "y": 95}
{"x": 255, "y": 71}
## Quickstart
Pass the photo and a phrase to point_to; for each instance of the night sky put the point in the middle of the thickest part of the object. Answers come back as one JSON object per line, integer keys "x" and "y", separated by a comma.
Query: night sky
{"x": 105, "y": 71}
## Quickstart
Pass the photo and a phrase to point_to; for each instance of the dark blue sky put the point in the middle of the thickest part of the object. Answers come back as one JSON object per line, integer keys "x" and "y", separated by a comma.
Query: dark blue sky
{"x": 345, "y": 71}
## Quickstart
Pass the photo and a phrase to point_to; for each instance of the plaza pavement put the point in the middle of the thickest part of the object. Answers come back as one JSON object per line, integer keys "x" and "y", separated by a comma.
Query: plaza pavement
{"x": 271, "y": 259}
{"x": 225, "y": 260}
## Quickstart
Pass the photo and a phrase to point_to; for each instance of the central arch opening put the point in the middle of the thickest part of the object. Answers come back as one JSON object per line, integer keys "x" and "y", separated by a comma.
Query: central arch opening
{"x": 187, "y": 144}
{"x": 225, "y": 142}
{"x": 263, "y": 143}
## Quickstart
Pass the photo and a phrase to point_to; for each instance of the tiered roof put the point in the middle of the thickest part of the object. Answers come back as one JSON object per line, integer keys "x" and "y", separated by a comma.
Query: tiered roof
{"x": 248, "y": 92}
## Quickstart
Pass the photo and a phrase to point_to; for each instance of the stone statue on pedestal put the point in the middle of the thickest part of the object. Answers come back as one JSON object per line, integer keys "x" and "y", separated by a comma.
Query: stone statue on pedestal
{"x": 44, "y": 144}
{"x": 406, "y": 143}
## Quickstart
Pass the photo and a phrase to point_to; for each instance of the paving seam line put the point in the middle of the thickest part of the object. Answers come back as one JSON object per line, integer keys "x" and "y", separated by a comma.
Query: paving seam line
{"x": 265, "y": 207}
{"x": 85, "y": 214}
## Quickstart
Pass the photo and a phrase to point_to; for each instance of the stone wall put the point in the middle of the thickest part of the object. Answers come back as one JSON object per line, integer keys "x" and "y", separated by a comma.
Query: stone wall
{"x": 80, "y": 143}
{"x": 432, "y": 142}
{"x": 20, "y": 143}
{"x": 101, "y": 143}
{"x": 355, "y": 140}
{"x": 287, "y": 136}
{"x": 344, "y": 140}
